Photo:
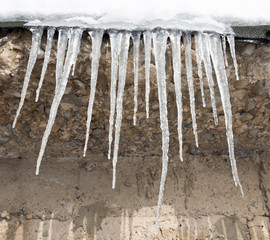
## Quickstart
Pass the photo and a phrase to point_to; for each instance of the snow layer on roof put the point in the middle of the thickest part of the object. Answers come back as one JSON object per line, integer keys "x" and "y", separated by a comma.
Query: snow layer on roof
{"x": 136, "y": 12}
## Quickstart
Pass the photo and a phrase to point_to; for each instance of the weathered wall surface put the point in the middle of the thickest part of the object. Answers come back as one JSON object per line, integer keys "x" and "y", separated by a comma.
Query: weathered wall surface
{"x": 72, "y": 197}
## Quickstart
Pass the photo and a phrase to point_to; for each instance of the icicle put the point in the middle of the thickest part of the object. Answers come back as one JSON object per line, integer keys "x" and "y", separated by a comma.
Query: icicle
{"x": 209, "y": 74}
{"x": 75, "y": 38}
{"x": 136, "y": 46}
{"x": 63, "y": 36}
{"x": 187, "y": 43}
{"x": 77, "y": 50}
{"x": 198, "y": 49}
{"x": 36, "y": 39}
{"x": 50, "y": 34}
{"x": 147, "y": 38}
{"x": 232, "y": 49}
{"x": 218, "y": 62}
{"x": 123, "y": 57}
{"x": 160, "y": 43}
{"x": 115, "y": 39}
{"x": 96, "y": 44}
{"x": 224, "y": 50}
{"x": 175, "y": 38}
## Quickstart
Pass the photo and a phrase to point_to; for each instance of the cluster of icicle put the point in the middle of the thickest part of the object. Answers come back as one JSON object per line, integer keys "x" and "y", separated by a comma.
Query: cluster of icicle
{"x": 210, "y": 50}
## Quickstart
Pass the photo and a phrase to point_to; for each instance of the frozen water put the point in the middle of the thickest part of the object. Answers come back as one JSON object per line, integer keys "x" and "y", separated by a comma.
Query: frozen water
{"x": 232, "y": 49}
{"x": 187, "y": 43}
{"x": 50, "y": 34}
{"x": 136, "y": 47}
{"x": 75, "y": 40}
{"x": 36, "y": 39}
{"x": 147, "y": 37}
{"x": 119, "y": 102}
{"x": 224, "y": 50}
{"x": 160, "y": 43}
{"x": 96, "y": 37}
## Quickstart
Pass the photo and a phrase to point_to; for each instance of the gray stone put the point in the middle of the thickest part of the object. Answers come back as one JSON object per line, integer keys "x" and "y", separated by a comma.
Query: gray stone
{"x": 249, "y": 49}
{"x": 3, "y": 140}
{"x": 250, "y": 104}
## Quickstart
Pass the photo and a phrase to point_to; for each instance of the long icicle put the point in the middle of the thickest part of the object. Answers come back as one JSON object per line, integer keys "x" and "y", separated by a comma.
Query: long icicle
{"x": 232, "y": 49}
{"x": 36, "y": 40}
{"x": 50, "y": 34}
{"x": 123, "y": 57}
{"x": 198, "y": 49}
{"x": 96, "y": 36}
{"x": 218, "y": 62}
{"x": 187, "y": 43}
{"x": 136, "y": 47}
{"x": 209, "y": 74}
{"x": 115, "y": 39}
{"x": 147, "y": 38}
{"x": 175, "y": 38}
{"x": 60, "y": 89}
{"x": 160, "y": 42}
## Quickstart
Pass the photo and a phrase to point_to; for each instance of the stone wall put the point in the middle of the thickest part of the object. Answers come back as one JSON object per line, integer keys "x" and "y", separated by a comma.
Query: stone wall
{"x": 72, "y": 197}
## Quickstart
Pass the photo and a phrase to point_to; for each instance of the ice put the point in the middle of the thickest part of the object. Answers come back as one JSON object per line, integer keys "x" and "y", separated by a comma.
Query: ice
{"x": 198, "y": 49}
{"x": 187, "y": 43}
{"x": 136, "y": 47}
{"x": 115, "y": 39}
{"x": 71, "y": 55}
{"x": 96, "y": 37}
{"x": 224, "y": 50}
{"x": 175, "y": 38}
{"x": 147, "y": 38}
{"x": 232, "y": 49}
{"x": 160, "y": 43}
{"x": 123, "y": 57}
{"x": 36, "y": 39}
{"x": 209, "y": 74}
{"x": 50, "y": 34}
{"x": 218, "y": 62}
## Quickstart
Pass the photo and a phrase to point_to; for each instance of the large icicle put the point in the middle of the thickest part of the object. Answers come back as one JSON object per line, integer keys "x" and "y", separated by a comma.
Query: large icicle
{"x": 218, "y": 62}
{"x": 147, "y": 38}
{"x": 208, "y": 71}
{"x": 175, "y": 38}
{"x": 36, "y": 39}
{"x": 198, "y": 49}
{"x": 75, "y": 39}
{"x": 232, "y": 49}
{"x": 123, "y": 57}
{"x": 50, "y": 34}
{"x": 136, "y": 47}
{"x": 115, "y": 39}
{"x": 96, "y": 36}
{"x": 63, "y": 36}
{"x": 188, "y": 60}
{"x": 160, "y": 42}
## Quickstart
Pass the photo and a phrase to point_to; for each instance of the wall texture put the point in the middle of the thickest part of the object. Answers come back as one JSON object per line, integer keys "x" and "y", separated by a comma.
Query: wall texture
{"x": 72, "y": 197}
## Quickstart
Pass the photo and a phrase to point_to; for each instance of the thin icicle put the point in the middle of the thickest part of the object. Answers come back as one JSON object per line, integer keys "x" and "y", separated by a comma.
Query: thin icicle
{"x": 147, "y": 38}
{"x": 224, "y": 50}
{"x": 175, "y": 38}
{"x": 136, "y": 47}
{"x": 198, "y": 49}
{"x": 218, "y": 62}
{"x": 50, "y": 34}
{"x": 160, "y": 43}
{"x": 115, "y": 39}
{"x": 209, "y": 74}
{"x": 232, "y": 49}
{"x": 63, "y": 36}
{"x": 123, "y": 57}
{"x": 187, "y": 43}
{"x": 36, "y": 39}
{"x": 60, "y": 89}
{"x": 96, "y": 36}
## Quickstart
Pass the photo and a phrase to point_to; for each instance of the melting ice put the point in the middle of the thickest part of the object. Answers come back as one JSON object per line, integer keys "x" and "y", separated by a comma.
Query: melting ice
{"x": 210, "y": 50}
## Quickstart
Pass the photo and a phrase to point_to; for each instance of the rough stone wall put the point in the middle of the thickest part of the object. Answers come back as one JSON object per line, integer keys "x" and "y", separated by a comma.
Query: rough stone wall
{"x": 72, "y": 197}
